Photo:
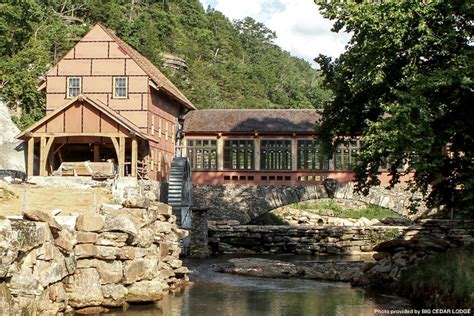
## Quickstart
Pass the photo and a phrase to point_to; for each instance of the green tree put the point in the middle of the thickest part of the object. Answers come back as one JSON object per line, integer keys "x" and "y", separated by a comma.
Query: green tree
{"x": 405, "y": 83}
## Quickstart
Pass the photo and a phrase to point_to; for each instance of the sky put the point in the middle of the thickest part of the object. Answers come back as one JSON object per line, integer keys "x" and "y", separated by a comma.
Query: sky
{"x": 300, "y": 28}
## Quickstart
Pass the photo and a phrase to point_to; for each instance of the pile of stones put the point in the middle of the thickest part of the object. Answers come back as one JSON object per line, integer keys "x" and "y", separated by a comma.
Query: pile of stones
{"x": 59, "y": 264}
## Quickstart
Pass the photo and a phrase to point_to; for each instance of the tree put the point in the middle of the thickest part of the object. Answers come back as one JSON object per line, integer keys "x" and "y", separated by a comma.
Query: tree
{"x": 405, "y": 83}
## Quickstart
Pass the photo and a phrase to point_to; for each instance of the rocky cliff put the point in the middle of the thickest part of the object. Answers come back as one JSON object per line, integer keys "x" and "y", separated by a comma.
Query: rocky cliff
{"x": 12, "y": 151}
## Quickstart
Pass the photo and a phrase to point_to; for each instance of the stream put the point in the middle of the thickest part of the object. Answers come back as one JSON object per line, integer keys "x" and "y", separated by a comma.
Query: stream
{"x": 217, "y": 294}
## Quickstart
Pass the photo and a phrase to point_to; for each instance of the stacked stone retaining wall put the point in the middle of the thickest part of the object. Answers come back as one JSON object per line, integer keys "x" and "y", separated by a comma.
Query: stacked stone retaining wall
{"x": 51, "y": 265}
{"x": 231, "y": 237}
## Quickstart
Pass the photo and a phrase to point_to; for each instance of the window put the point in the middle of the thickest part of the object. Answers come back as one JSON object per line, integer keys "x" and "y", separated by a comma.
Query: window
{"x": 346, "y": 155}
{"x": 74, "y": 87}
{"x": 310, "y": 156}
{"x": 120, "y": 87}
{"x": 275, "y": 155}
{"x": 239, "y": 154}
{"x": 202, "y": 153}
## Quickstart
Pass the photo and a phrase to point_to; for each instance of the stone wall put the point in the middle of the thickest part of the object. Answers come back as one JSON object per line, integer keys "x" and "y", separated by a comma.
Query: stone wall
{"x": 417, "y": 242}
{"x": 244, "y": 202}
{"x": 231, "y": 237}
{"x": 57, "y": 264}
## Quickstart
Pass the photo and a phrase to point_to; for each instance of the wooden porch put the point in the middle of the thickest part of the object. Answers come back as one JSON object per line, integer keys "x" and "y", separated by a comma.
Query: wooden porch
{"x": 85, "y": 130}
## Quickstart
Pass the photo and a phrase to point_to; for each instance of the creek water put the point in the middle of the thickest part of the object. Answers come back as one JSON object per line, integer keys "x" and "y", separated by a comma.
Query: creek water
{"x": 217, "y": 294}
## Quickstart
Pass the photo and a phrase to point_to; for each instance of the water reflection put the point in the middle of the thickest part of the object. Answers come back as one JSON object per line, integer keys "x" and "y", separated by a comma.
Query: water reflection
{"x": 218, "y": 294}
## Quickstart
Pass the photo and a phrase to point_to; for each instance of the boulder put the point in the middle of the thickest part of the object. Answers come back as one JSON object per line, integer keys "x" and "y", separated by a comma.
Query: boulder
{"x": 90, "y": 222}
{"x": 9, "y": 248}
{"x": 85, "y": 250}
{"x": 112, "y": 239}
{"x": 86, "y": 237}
{"x": 65, "y": 241}
{"x": 93, "y": 310}
{"x": 140, "y": 269}
{"x": 110, "y": 272}
{"x": 31, "y": 234}
{"x": 107, "y": 252}
{"x": 39, "y": 216}
{"x": 129, "y": 253}
{"x": 25, "y": 285}
{"x": 83, "y": 288}
{"x": 121, "y": 222}
{"x": 114, "y": 294}
{"x": 49, "y": 272}
{"x": 139, "y": 202}
{"x": 144, "y": 291}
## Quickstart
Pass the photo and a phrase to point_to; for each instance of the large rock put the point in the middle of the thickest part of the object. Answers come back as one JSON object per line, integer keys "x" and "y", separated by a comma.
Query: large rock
{"x": 25, "y": 285}
{"x": 83, "y": 288}
{"x": 120, "y": 221}
{"x": 31, "y": 234}
{"x": 90, "y": 222}
{"x": 140, "y": 269}
{"x": 65, "y": 241}
{"x": 112, "y": 239}
{"x": 139, "y": 202}
{"x": 49, "y": 272}
{"x": 40, "y": 216}
{"x": 114, "y": 294}
{"x": 86, "y": 237}
{"x": 9, "y": 247}
{"x": 110, "y": 272}
{"x": 12, "y": 150}
{"x": 145, "y": 291}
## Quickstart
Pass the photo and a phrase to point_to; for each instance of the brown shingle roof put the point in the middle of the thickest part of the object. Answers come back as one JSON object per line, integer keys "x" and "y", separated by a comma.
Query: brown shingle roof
{"x": 251, "y": 121}
{"x": 155, "y": 74}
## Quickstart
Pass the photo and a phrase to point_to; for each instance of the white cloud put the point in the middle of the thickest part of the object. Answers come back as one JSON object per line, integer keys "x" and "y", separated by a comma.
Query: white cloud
{"x": 300, "y": 28}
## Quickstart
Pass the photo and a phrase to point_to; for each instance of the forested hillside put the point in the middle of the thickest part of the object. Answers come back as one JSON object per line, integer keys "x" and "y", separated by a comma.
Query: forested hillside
{"x": 230, "y": 64}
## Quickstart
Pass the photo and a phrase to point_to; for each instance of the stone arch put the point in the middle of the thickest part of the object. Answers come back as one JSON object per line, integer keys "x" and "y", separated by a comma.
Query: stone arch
{"x": 243, "y": 202}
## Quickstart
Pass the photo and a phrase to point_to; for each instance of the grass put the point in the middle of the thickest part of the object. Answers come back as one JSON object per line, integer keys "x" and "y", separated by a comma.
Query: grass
{"x": 447, "y": 277}
{"x": 331, "y": 208}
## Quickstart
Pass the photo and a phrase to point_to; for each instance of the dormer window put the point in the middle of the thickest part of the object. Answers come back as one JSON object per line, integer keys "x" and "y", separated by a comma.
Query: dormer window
{"x": 74, "y": 86}
{"x": 120, "y": 87}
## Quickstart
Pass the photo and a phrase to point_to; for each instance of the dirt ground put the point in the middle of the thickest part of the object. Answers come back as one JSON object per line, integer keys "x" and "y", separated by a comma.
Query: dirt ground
{"x": 68, "y": 200}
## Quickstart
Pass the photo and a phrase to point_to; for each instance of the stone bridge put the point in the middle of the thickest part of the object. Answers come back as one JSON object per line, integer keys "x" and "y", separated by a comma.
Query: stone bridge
{"x": 245, "y": 202}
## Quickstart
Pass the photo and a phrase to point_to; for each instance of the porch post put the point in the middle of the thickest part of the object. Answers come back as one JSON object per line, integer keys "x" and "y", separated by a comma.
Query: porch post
{"x": 31, "y": 153}
{"x": 134, "y": 157}
{"x": 294, "y": 153}
{"x": 96, "y": 152}
{"x": 121, "y": 157}
{"x": 257, "y": 152}
{"x": 42, "y": 164}
{"x": 220, "y": 152}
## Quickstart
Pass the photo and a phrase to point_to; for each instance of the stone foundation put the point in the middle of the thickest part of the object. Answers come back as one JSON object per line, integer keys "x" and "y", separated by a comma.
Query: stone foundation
{"x": 51, "y": 265}
{"x": 231, "y": 237}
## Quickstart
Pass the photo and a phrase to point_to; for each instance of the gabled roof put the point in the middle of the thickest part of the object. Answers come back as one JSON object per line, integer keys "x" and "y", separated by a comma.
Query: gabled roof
{"x": 122, "y": 121}
{"x": 151, "y": 70}
{"x": 251, "y": 121}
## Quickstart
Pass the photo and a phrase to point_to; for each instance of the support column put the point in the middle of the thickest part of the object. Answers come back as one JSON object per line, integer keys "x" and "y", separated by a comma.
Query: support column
{"x": 294, "y": 154}
{"x": 134, "y": 157}
{"x": 257, "y": 152}
{"x": 121, "y": 157}
{"x": 220, "y": 153}
{"x": 42, "y": 164}
{"x": 31, "y": 154}
{"x": 96, "y": 152}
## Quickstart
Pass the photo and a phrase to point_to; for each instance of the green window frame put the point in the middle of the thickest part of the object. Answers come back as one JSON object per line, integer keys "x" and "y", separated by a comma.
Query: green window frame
{"x": 275, "y": 155}
{"x": 239, "y": 154}
{"x": 310, "y": 156}
{"x": 202, "y": 153}
{"x": 345, "y": 156}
